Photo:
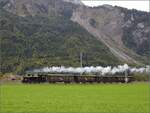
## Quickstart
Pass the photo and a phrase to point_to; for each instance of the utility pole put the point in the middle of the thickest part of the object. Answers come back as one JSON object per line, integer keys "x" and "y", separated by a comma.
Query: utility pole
{"x": 81, "y": 55}
{"x": 81, "y": 61}
{"x": 126, "y": 76}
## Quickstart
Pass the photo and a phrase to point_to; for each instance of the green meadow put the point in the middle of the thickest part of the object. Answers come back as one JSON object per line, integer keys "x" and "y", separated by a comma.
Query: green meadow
{"x": 75, "y": 98}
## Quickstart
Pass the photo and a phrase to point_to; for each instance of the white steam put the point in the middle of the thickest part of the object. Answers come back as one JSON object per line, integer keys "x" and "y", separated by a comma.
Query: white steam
{"x": 98, "y": 69}
{"x": 140, "y": 70}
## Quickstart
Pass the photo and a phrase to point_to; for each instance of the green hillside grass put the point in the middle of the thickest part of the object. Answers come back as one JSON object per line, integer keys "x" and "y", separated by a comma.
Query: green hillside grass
{"x": 75, "y": 98}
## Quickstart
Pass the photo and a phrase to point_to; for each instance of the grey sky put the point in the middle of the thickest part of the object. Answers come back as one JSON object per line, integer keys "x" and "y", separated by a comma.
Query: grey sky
{"x": 142, "y": 5}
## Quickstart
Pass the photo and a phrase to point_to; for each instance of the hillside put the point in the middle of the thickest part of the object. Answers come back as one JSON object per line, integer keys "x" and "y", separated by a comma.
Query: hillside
{"x": 125, "y": 32}
{"x": 36, "y": 33}
{"x": 34, "y": 41}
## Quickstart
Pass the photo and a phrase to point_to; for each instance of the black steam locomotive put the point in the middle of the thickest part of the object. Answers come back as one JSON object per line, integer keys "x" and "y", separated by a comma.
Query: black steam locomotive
{"x": 74, "y": 78}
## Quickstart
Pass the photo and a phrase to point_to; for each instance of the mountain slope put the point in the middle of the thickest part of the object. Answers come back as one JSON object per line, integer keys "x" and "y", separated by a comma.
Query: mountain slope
{"x": 35, "y": 41}
{"x": 54, "y": 32}
{"x": 115, "y": 27}
{"x": 40, "y": 7}
{"x": 118, "y": 28}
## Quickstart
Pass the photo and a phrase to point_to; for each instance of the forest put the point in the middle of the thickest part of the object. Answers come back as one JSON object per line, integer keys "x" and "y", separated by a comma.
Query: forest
{"x": 37, "y": 41}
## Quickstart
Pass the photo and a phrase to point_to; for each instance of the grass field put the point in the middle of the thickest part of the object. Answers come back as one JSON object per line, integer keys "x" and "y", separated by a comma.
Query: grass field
{"x": 75, "y": 98}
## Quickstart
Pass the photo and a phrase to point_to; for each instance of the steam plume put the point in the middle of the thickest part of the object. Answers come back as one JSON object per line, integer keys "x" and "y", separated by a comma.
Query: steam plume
{"x": 97, "y": 69}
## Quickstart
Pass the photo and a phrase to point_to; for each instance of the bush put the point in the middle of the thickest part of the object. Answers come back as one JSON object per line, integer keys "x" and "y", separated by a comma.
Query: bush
{"x": 141, "y": 76}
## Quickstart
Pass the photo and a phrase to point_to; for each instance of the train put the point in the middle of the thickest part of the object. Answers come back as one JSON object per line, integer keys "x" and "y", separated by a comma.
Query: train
{"x": 33, "y": 77}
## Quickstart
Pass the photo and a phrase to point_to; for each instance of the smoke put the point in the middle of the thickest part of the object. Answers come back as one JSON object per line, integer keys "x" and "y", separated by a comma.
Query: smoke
{"x": 98, "y": 69}
{"x": 140, "y": 70}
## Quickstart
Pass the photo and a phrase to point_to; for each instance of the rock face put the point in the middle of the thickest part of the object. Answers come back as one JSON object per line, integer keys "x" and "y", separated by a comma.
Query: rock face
{"x": 125, "y": 32}
{"x": 26, "y": 7}
{"x": 38, "y": 7}
{"x": 112, "y": 26}
{"x": 136, "y": 35}
{"x": 78, "y": 2}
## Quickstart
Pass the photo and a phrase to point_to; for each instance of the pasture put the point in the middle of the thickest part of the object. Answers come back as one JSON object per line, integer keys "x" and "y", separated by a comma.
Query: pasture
{"x": 75, "y": 98}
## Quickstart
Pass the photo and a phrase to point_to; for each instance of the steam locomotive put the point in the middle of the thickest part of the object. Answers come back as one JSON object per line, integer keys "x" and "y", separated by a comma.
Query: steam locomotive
{"x": 32, "y": 77}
